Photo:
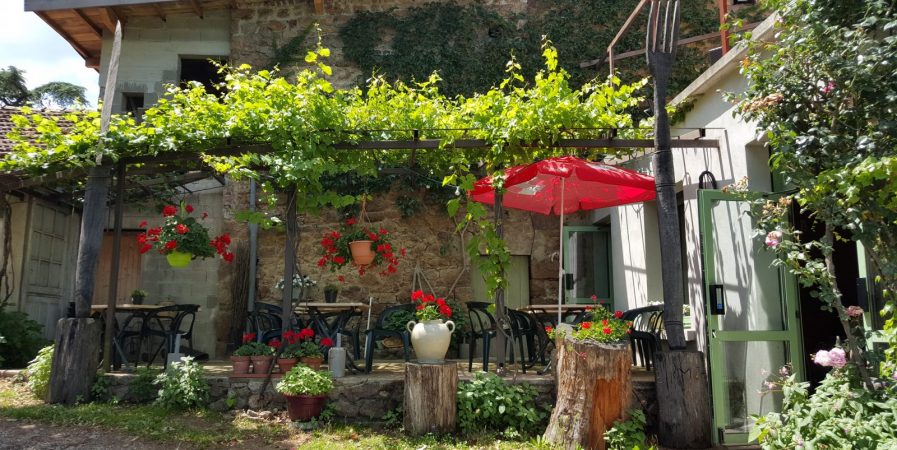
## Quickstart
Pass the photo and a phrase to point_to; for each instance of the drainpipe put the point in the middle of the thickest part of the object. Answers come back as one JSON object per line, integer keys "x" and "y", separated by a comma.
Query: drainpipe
{"x": 253, "y": 247}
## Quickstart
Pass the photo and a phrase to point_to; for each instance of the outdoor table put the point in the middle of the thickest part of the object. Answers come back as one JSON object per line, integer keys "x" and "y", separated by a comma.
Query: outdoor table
{"x": 142, "y": 312}
{"x": 546, "y": 315}
{"x": 330, "y": 318}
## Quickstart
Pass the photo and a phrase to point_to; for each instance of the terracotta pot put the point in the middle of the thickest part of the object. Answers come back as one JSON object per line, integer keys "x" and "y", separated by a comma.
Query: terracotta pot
{"x": 286, "y": 364}
{"x": 313, "y": 362}
{"x": 305, "y": 407}
{"x": 431, "y": 339}
{"x": 261, "y": 364}
{"x": 179, "y": 259}
{"x": 241, "y": 364}
{"x": 362, "y": 254}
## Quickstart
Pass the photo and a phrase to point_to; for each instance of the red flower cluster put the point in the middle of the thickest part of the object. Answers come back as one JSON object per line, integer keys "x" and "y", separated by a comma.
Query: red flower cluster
{"x": 169, "y": 210}
{"x": 220, "y": 243}
{"x": 248, "y": 337}
{"x": 181, "y": 229}
{"x": 306, "y": 333}
{"x": 275, "y": 343}
{"x": 326, "y": 342}
{"x": 429, "y": 307}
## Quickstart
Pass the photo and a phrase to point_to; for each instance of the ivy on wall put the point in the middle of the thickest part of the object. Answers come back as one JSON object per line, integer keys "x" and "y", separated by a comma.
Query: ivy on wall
{"x": 463, "y": 42}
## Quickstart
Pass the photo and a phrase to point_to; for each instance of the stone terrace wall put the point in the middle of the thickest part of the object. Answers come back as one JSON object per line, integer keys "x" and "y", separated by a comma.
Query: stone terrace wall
{"x": 257, "y": 24}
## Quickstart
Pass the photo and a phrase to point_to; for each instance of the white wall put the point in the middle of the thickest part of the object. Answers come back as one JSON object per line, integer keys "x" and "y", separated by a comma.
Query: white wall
{"x": 151, "y": 51}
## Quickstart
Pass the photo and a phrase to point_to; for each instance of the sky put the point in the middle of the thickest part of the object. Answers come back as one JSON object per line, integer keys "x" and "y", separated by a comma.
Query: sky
{"x": 31, "y": 45}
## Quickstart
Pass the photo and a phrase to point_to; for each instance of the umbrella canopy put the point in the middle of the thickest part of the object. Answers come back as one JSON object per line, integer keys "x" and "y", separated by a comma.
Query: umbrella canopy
{"x": 537, "y": 187}
{"x": 565, "y": 185}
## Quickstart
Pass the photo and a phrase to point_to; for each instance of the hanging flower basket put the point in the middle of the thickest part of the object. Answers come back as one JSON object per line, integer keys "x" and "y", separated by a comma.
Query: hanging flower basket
{"x": 362, "y": 246}
{"x": 181, "y": 238}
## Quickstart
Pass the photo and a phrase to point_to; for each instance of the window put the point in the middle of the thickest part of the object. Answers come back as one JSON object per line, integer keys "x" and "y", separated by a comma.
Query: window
{"x": 202, "y": 70}
{"x": 132, "y": 103}
{"x": 587, "y": 260}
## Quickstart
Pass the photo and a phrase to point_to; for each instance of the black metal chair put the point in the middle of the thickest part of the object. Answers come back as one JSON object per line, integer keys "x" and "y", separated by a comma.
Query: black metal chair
{"x": 379, "y": 332}
{"x": 482, "y": 326}
{"x": 168, "y": 323}
{"x": 644, "y": 340}
{"x": 525, "y": 329}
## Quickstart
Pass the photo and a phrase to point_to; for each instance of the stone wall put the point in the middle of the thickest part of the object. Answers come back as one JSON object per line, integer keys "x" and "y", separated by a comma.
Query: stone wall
{"x": 256, "y": 25}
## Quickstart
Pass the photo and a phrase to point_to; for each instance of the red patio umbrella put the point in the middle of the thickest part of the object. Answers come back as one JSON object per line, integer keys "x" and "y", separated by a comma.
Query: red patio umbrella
{"x": 565, "y": 185}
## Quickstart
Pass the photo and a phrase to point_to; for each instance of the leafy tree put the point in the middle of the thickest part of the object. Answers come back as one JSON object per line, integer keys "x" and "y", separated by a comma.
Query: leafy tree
{"x": 13, "y": 91}
{"x": 59, "y": 93}
{"x": 825, "y": 94}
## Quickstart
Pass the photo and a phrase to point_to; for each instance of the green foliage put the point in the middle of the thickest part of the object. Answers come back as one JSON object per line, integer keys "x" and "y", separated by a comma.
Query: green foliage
{"x": 254, "y": 349}
{"x": 628, "y": 434}
{"x": 455, "y": 39}
{"x": 824, "y": 95}
{"x": 303, "y": 380}
{"x": 99, "y": 391}
{"x": 38, "y": 372}
{"x": 394, "y": 418}
{"x": 13, "y": 91}
{"x": 398, "y": 320}
{"x": 58, "y": 94}
{"x": 22, "y": 338}
{"x": 182, "y": 386}
{"x": 841, "y": 413}
{"x": 143, "y": 387}
{"x": 490, "y": 403}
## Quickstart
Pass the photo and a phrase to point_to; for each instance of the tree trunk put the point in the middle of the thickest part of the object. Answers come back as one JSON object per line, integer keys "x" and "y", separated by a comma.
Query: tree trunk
{"x": 593, "y": 391}
{"x": 75, "y": 360}
{"x": 683, "y": 400}
{"x": 431, "y": 397}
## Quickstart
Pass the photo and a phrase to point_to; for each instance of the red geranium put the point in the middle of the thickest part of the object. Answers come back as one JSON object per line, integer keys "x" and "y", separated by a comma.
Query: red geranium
{"x": 274, "y": 343}
{"x": 248, "y": 337}
{"x": 429, "y": 307}
{"x": 181, "y": 229}
{"x": 327, "y": 342}
{"x": 169, "y": 210}
{"x": 618, "y": 314}
{"x": 189, "y": 209}
{"x": 586, "y": 325}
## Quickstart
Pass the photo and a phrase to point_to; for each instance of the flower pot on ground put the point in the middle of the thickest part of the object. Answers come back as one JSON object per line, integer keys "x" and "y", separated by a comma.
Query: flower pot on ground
{"x": 430, "y": 336}
{"x": 306, "y": 392}
{"x": 182, "y": 238}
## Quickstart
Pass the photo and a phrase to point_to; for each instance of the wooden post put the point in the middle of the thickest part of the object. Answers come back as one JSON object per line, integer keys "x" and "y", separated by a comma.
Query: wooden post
{"x": 683, "y": 401}
{"x": 501, "y": 316}
{"x": 74, "y": 360}
{"x": 113, "y": 268}
{"x": 593, "y": 391}
{"x": 431, "y": 397}
{"x": 289, "y": 259}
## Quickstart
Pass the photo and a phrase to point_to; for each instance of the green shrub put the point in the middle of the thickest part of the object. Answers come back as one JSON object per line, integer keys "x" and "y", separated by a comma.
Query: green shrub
{"x": 628, "y": 434}
{"x": 38, "y": 372}
{"x": 21, "y": 339}
{"x": 182, "y": 386}
{"x": 303, "y": 380}
{"x": 143, "y": 388}
{"x": 842, "y": 414}
{"x": 489, "y": 403}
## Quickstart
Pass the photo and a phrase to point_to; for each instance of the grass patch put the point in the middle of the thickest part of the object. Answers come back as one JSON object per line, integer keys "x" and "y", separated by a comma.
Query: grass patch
{"x": 212, "y": 430}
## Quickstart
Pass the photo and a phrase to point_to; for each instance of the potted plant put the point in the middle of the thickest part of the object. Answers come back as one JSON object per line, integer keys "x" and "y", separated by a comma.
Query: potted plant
{"x": 306, "y": 392}
{"x": 240, "y": 358}
{"x": 364, "y": 247}
{"x": 330, "y": 293}
{"x": 261, "y": 355}
{"x": 137, "y": 296}
{"x": 302, "y": 285}
{"x": 430, "y": 337}
{"x": 182, "y": 238}
{"x": 289, "y": 355}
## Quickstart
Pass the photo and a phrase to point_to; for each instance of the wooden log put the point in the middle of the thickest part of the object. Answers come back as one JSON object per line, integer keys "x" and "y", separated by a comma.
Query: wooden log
{"x": 593, "y": 391}
{"x": 683, "y": 400}
{"x": 75, "y": 360}
{"x": 431, "y": 393}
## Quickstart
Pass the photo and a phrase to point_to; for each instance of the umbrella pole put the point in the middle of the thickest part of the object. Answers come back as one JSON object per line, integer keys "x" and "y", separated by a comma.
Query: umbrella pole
{"x": 561, "y": 256}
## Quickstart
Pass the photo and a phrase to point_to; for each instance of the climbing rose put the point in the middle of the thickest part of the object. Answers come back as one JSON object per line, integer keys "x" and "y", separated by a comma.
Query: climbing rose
{"x": 854, "y": 311}
{"x": 181, "y": 229}
{"x": 774, "y": 238}
{"x": 327, "y": 342}
{"x": 822, "y": 358}
{"x": 169, "y": 211}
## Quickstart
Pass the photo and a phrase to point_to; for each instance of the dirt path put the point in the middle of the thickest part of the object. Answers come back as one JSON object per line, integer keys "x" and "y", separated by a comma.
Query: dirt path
{"x": 19, "y": 435}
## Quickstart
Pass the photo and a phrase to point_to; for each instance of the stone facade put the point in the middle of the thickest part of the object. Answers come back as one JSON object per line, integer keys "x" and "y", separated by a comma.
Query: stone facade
{"x": 258, "y": 24}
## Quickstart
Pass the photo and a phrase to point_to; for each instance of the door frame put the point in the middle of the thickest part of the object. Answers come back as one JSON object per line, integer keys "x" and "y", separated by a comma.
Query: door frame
{"x": 717, "y": 338}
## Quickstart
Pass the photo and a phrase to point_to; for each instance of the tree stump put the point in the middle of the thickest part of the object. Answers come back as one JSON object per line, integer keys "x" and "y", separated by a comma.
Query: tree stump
{"x": 431, "y": 393}
{"x": 75, "y": 360}
{"x": 593, "y": 391}
{"x": 683, "y": 400}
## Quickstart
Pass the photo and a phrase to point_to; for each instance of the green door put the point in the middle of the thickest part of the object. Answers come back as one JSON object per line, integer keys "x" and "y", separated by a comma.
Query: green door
{"x": 752, "y": 317}
{"x": 587, "y": 263}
